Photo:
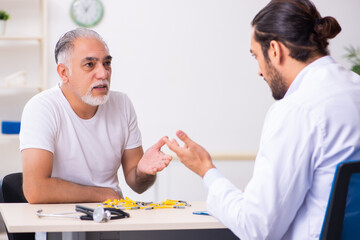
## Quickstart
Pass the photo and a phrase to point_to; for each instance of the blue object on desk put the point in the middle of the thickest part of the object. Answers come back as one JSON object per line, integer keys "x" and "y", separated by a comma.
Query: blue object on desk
{"x": 201, "y": 213}
{"x": 10, "y": 127}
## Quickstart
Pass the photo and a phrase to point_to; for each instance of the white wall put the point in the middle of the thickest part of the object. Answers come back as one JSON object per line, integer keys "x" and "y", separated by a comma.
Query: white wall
{"x": 186, "y": 64}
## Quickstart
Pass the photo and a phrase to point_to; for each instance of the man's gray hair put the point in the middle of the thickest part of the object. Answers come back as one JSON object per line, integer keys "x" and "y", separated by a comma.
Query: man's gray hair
{"x": 65, "y": 46}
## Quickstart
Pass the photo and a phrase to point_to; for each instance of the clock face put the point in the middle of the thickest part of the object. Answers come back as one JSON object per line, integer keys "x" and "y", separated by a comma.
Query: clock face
{"x": 86, "y": 13}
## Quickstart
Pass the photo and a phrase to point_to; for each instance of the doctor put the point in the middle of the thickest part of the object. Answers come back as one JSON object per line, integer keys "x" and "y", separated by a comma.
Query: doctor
{"x": 312, "y": 127}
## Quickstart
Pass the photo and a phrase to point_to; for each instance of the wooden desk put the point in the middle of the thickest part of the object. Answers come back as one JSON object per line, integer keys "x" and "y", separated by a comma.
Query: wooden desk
{"x": 20, "y": 217}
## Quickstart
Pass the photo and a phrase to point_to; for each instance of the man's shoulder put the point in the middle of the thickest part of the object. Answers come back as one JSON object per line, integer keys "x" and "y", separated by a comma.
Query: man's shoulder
{"x": 46, "y": 98}
{"x": 51, "y": 93}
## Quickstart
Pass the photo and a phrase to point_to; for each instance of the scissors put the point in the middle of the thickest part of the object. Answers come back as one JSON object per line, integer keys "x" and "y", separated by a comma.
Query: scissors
{"x": 98, "y": 214}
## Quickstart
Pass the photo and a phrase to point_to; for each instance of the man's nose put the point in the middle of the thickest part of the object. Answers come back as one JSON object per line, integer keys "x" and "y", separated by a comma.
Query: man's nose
{"x": 102, "y": 72}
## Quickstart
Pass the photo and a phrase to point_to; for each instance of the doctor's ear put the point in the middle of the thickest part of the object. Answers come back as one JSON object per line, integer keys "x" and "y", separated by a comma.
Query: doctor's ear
{"x": 275, "y": 51}
{"x": 63, "y": 72}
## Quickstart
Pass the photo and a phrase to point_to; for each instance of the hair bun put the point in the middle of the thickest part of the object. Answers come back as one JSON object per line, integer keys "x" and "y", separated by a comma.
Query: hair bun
{"x": 326, "y": 28}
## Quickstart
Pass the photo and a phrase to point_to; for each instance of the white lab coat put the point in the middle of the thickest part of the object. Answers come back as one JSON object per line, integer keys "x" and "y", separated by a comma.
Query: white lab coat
{"x": 305, "y": 135}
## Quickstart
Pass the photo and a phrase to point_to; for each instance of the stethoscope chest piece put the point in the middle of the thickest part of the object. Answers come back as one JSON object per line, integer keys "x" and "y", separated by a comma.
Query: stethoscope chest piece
{"x": 101, "y": 215}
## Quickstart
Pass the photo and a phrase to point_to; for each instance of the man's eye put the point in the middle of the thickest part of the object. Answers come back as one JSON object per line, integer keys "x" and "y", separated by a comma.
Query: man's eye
{"x": 107, "y": 64}
{"x": 89, "y": 64}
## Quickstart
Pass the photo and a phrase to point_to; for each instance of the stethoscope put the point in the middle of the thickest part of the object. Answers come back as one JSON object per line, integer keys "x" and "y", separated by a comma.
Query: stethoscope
{"x": 98, "y": 214}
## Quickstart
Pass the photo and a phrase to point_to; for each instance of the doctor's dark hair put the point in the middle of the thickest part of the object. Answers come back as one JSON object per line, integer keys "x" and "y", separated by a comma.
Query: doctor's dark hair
{"x": 65, "y": 46}
{"x": 298, "y": 25}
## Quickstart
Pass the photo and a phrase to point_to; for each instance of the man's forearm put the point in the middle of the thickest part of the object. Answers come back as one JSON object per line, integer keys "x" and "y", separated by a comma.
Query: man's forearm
{"x": 55, "y": 190}
{"x": 141, "y": 181}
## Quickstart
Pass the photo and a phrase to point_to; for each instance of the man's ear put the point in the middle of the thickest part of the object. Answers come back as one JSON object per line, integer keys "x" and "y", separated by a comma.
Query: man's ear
{"x": 63, "y": 72}
{"x": 276, "y": 52}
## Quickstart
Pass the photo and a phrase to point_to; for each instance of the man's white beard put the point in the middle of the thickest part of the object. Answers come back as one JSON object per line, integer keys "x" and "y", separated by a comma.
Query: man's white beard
{"x": 88, "y": 98}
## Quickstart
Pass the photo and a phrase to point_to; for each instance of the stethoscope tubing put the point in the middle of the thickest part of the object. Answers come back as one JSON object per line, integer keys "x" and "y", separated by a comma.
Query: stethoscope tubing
{"x": 64, "y": 214}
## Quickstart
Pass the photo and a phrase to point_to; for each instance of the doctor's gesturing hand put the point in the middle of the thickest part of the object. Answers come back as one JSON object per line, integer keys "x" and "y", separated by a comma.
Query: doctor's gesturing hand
{"x": 154, "y": 160}
{"x": 192, "y": 155}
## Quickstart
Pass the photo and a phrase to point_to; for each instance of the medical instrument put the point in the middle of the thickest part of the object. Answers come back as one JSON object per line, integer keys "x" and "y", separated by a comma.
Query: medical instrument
{"x": 176, "y": 202}
{"x": 162, "y": 206}
{"x": 128, "y": 204}
{"x": 99, "y": 214}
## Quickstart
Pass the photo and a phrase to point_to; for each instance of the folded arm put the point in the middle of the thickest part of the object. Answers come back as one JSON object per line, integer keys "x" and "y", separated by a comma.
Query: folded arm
{"x": 40, "y": 187}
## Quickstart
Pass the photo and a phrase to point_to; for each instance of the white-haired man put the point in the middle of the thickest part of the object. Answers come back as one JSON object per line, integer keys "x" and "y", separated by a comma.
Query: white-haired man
{"x": 75, "y": 136}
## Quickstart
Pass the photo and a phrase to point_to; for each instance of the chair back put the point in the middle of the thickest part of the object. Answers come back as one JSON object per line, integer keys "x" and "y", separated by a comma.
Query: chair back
{"x": 12, "y": 188}
{"x": 12, "y": 192}
{"x": 342, "y": 218}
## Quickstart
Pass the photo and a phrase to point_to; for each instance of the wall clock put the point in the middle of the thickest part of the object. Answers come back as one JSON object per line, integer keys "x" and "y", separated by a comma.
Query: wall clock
{"x": 86, "y": 13}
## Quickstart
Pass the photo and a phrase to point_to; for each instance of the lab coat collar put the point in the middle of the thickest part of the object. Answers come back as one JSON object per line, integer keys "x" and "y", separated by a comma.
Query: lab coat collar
{"x": 298, "y": 79}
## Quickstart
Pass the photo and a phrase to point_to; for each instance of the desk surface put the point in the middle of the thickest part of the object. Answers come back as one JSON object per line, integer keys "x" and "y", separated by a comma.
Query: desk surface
{"x": 20, "y": 217}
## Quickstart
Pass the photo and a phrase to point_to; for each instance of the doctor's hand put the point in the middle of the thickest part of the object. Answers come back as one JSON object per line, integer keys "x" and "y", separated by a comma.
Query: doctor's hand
{"x": 192, "y": 155}
{"x": 154, "y": 160}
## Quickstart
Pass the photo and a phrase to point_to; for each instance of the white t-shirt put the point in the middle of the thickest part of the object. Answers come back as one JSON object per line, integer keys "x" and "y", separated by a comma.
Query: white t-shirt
{"x": 86, "y": 152}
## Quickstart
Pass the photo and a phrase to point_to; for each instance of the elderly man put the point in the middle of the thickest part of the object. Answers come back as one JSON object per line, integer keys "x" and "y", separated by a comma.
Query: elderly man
{"x": 312, "y": 127}
{"x": 75, "y": 136}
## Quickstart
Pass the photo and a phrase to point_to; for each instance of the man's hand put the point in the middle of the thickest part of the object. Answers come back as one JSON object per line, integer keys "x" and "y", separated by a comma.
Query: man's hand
{"x": 140, "y": 169}
{"x": 192, "y": 155}
{"x": 154, "y": 160}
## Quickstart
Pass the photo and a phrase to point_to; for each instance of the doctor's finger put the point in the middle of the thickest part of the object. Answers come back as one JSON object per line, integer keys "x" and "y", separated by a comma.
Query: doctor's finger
{"x": 173, "y": 145}
{"x": 175, "y": 142}
{"x": 184, "y": 137}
